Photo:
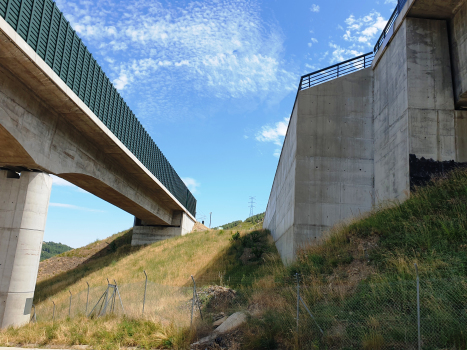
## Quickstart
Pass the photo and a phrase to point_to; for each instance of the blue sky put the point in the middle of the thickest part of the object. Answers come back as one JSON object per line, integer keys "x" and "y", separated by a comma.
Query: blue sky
{"x": 213, "y": 82}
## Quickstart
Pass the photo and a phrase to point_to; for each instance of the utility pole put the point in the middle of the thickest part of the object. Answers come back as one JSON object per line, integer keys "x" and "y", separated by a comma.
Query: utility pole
{"x": 210, "y": 217}
{"x": 252, "y": 202}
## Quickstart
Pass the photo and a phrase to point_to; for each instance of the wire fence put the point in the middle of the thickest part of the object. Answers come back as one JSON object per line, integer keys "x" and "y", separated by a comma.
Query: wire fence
{"x": 425, "y": 313}
{"x": 379, "y": 315}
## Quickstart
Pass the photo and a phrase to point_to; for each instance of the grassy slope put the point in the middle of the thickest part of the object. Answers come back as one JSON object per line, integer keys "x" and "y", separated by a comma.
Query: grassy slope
{"x": 207, "y": 255}
{"x": 211, "y": 256}
{"x": 429, "y": 229}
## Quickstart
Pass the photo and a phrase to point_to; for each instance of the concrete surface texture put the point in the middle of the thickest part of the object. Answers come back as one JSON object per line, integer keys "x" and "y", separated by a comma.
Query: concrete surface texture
{"x": 279, "y": 216}
{"x": 334, "y": 160}
{"x": 23, "y": 212}
{"x": 349, "y": 140}
{"x": 458, "y": 37}
{"x": 147, "y": 234}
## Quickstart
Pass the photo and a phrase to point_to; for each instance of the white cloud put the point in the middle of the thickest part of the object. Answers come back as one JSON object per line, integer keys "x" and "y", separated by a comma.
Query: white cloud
{"x": 363, "y": 30}
{"x": 57, "y": 181}
{"x": 191, "y": 183}
{"x": 161, "y": 52}
{"x": 312, "y": 41}
{"x": 277, "y": 152}
{"x": 274, "y": 133}
{"x": 361, "y": 34}
{"x": 314, "y": 8}
{"x": 340, "y": 54}
{"x": 121, "y": 81}
{"x": 74, "y": 207}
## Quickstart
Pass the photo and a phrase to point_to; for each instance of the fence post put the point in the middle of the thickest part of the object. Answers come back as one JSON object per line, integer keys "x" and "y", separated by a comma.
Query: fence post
{"x": 145, "y": 287}
{"x": 192, "y": 302}
{"x": 69, "y": 308}
{"x": 298, "y": 301}
{"x": 53, "y": 313}
{"x": 195, "y": 295}
{"x": 418, "y": 309}
{"x": 33, "y": 318}
{"x": 121, "y": 302}
{"x": 87, "y": 299}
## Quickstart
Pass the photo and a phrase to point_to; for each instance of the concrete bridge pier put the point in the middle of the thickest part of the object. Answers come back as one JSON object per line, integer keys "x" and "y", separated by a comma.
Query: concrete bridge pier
{"x": 24, "y": 200}
{"x": 147, "y": 234}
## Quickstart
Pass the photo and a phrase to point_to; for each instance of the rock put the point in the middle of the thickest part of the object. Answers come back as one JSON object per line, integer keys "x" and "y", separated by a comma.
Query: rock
{"x": 233, "y": 321}
{"x": 219, "y": 321}
{"x": 204, "y": 340}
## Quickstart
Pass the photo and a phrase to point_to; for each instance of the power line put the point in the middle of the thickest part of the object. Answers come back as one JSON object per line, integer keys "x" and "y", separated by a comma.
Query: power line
{"x": 252, "y": 202}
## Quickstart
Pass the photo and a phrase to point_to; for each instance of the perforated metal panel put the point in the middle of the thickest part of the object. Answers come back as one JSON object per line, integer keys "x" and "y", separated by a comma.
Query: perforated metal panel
{"x": 44, "y": 27}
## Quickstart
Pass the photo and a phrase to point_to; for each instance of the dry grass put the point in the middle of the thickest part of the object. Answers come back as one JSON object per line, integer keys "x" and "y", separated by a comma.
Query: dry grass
{"x": 108, "y": 332}
{"x": 169, "y": 264}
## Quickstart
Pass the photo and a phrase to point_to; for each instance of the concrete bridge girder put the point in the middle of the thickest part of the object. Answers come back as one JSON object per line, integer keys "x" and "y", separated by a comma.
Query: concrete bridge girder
{"x": 46, "y": 129}
{"x": 39, "y": 139}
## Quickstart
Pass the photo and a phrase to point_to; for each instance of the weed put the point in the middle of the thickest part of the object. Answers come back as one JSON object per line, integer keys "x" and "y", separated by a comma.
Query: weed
{"x": 236, "y": 236}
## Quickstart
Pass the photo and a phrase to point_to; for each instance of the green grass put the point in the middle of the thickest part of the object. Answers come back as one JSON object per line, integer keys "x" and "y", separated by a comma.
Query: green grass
{"x": 379, "y": 310}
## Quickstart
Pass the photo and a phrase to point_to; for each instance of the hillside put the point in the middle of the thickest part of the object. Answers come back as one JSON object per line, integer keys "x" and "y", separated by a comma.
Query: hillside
{"x": 359, "y": 285}
{"x": 50, "y": 249}
{"x": 253, "y": 222}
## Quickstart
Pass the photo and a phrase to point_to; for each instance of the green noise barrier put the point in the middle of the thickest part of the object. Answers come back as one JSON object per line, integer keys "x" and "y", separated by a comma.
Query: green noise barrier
{"x": 44, "y": 27}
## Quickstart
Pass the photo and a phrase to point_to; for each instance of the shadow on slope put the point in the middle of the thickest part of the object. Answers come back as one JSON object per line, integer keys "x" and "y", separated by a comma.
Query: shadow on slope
{"x": 248, "y": 257}
{"x": 116, "y": 250}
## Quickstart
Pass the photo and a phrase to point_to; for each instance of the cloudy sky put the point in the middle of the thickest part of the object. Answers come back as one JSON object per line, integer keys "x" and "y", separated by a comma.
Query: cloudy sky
{"x": 214, "y": 83}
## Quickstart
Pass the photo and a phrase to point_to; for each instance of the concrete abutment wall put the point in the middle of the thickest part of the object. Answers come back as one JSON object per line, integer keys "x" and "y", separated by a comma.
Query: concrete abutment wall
{"x": 352, "y": 136}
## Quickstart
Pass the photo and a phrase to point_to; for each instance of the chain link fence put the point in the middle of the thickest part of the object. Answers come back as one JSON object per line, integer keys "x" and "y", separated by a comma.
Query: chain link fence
{"x": 301, "y": 314}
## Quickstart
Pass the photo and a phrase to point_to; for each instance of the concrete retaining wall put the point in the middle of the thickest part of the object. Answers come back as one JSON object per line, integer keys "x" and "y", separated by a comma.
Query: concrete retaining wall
{"x": 349, "y": 140}
{"x": 334, "y": 171}
{"x": 279, "y": 217}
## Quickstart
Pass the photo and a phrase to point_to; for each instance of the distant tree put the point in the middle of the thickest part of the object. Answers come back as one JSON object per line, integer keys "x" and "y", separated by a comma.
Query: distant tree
{"x": 231, "y": 224}
{"x": 255, "y": 218}
{"x": 50, "y": 249}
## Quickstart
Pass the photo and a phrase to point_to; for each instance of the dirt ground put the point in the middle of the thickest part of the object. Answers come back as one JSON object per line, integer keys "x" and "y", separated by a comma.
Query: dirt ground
{"x": 58, "y": 264}
{"x": 199, "y": 227}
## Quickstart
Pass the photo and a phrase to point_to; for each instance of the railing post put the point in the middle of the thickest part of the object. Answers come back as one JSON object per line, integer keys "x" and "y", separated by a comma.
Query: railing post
{"x": 364, "y": 61}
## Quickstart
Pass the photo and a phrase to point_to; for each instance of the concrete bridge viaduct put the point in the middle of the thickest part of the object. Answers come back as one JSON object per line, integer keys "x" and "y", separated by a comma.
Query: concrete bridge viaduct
{"x": 60, "y": 114}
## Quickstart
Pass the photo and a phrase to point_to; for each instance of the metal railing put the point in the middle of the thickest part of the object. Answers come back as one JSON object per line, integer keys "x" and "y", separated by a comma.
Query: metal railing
{"x": 44, "y": 27}
{"x": 336, "y": 71}
{"x": 388, "y": 30}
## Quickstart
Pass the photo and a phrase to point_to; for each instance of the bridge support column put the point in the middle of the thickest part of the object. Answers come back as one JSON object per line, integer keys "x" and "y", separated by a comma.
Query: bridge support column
{"x": 24, "y": 201}
{"x": 144, "y": 234}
